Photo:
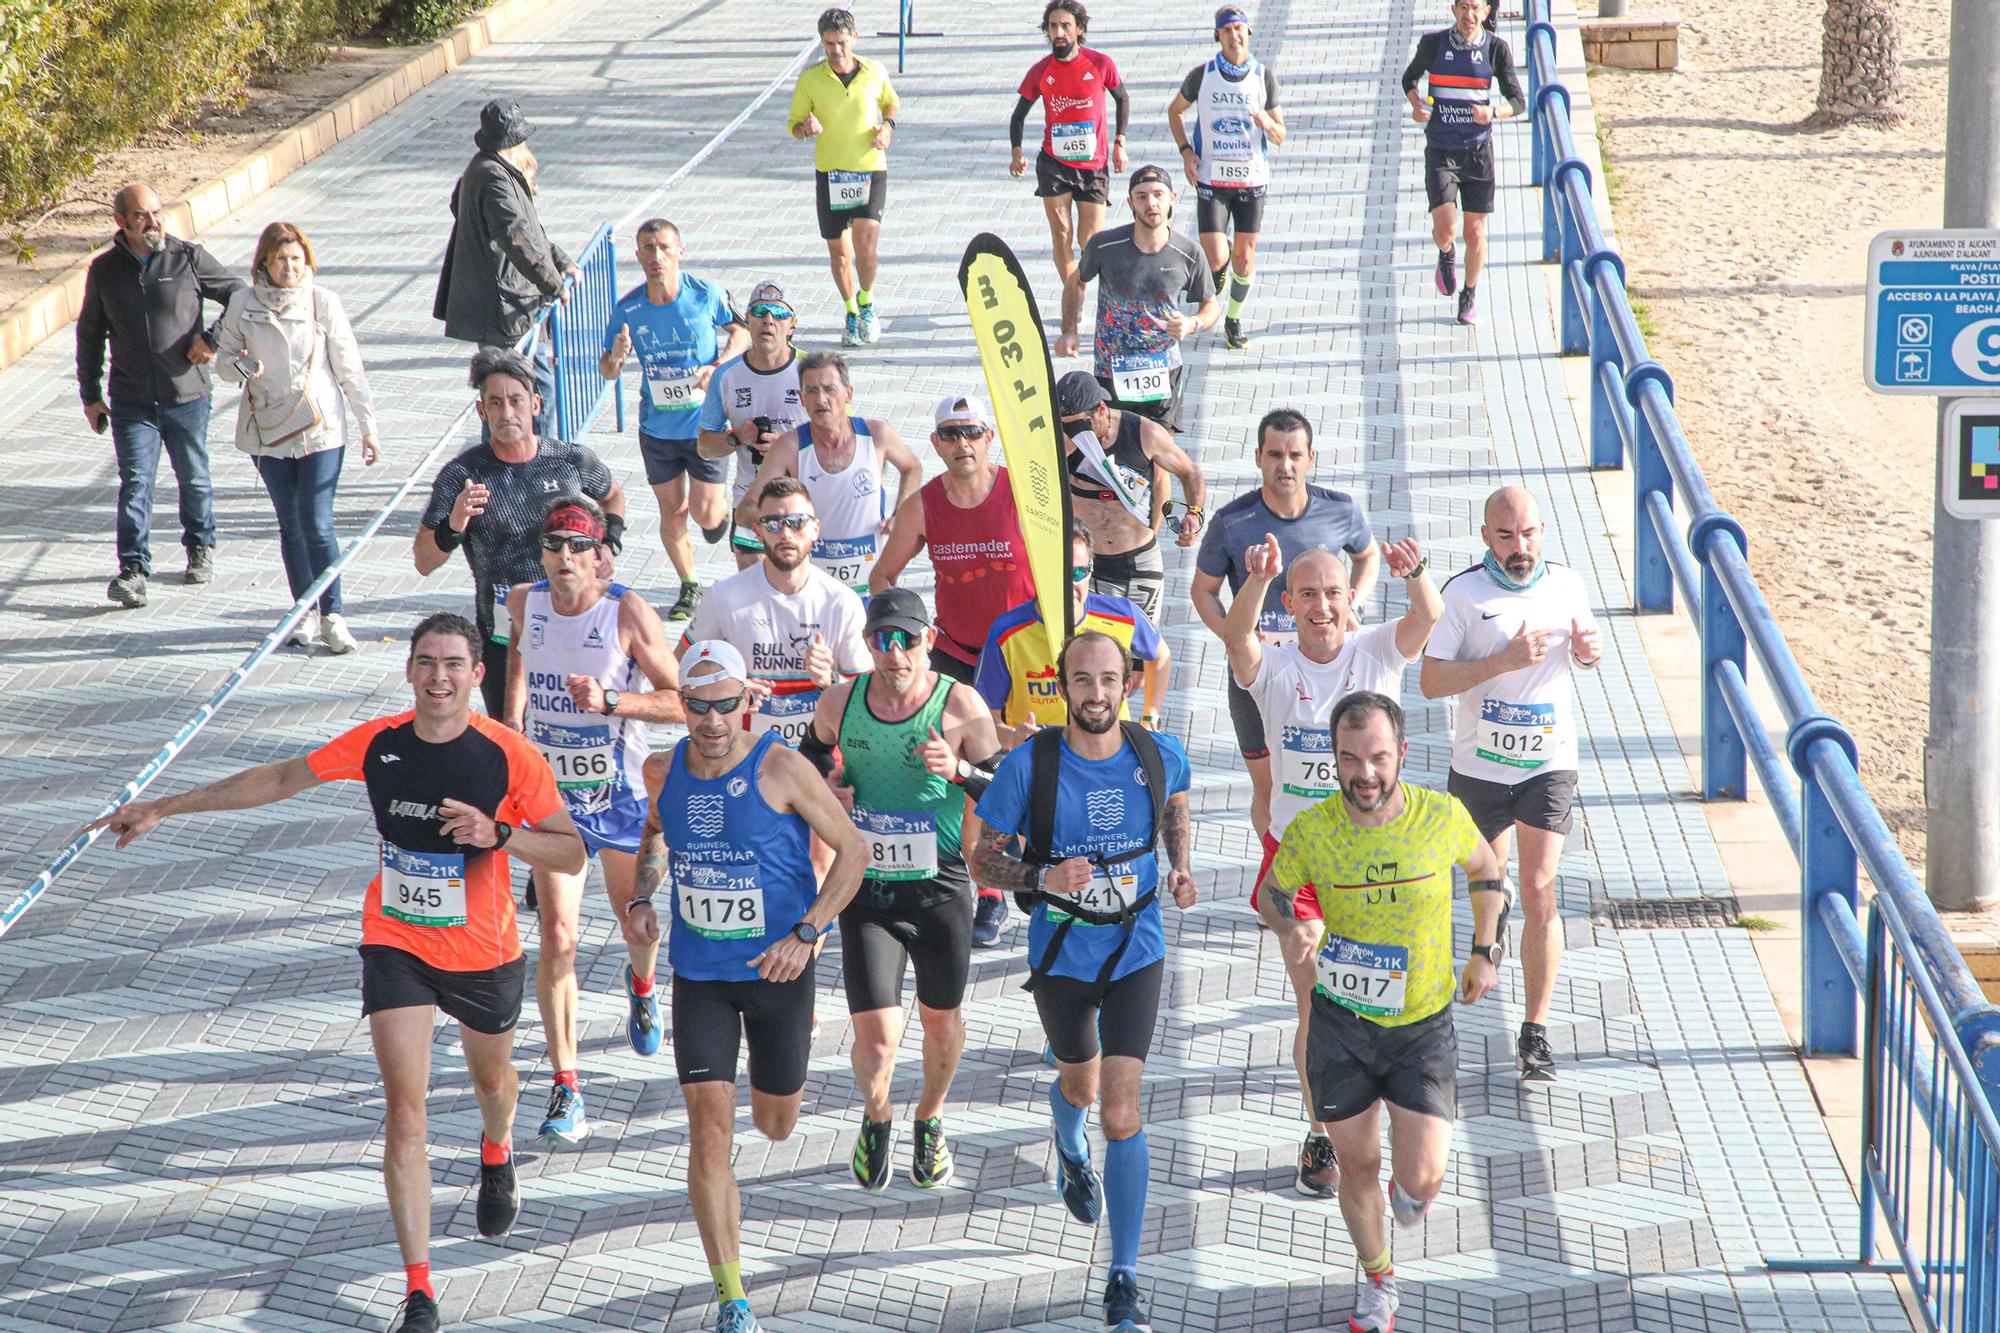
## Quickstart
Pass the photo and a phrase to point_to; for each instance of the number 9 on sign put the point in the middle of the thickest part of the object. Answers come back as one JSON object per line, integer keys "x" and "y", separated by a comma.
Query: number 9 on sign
{"x": 1976, "y": 350}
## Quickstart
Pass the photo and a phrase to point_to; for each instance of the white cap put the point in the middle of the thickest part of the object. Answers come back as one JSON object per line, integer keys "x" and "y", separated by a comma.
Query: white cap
{"x": 963, "y": 407}
{"x": 724, "y": 663}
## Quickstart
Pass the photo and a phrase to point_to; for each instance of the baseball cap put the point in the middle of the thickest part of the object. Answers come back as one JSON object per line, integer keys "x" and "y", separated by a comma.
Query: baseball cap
{"x": 1078, "y": 392}
{"x": 720, "y": 658}
{"x": 1150, "y": 173}
{"x": 770, "y": 289}
{"x": 897, "y": 608}
{"x": 573, "y": 518}
{"x": 962, "y": 407}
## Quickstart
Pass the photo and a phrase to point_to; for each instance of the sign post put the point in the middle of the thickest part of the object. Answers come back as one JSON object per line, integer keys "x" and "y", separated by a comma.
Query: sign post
{"x": 1934, "y": 312}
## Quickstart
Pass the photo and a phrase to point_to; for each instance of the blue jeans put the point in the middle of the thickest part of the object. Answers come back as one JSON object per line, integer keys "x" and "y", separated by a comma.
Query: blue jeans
{"x": 302, "y": 492}
{"x": 544, "y": 363}
{"x": 137, "y": 432}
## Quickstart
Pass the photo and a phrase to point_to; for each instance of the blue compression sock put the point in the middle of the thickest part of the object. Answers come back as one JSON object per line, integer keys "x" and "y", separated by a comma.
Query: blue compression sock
{"x": 1069, "y": 1124}
{"x": 1127, "y": 1163}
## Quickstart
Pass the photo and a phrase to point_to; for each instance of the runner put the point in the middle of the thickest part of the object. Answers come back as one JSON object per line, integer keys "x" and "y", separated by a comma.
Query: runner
{"x": 674, "y": 319}
{"x": 1237, "y": 122}
{"x": 729, "y": 818}
{"x": 1146, "y": 272}
{"x": 1377, "y": 865}
{"x": 751, "y": 401}
{"x": 907, "y": 736}
{"x": 1090, "y": 803}
{"x": 966, "y": 517}
{"x": 1295, "y": 687}
{"x": 845, "y": 104}
{"x": 492, "y": 498}
{"x": 1113, "y": 456}
{"x": 798, "y": 629}
{"x": 450, "y": 790}
{"x": 580, "y": 643}
{"x": 1460, "y": 65}
{"x": 1079, "y": 149}
{"x": 1301, "y": 516}
{"x": 841, "y": 459}
{"x": 1017, "y": 668}
{"x": 1513, "y": 626}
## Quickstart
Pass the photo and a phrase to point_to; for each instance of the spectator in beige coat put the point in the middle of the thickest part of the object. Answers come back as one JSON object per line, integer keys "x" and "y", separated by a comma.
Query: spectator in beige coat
{"x": 288, "y": 342}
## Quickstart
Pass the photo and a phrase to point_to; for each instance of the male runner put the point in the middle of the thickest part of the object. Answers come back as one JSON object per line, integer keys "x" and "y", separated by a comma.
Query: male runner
{"x": 1513, "y": 626}
{"x": 979, "y": 559}
{"x": 903, "y": 732}
{"x": 579, "y": 645}
{"x": 1090, "y": 803}
{"x": 798, "y": 629}
{"x": 1302, "y": 516}
{"x": 492, "y": 498}
{"x": 845, "y": 104}
{"x": 1460, "y": 65}
{"x": 673, "y": 319}
{"x": 450, "y": 790}
{"x": 1377, "y": 863}
{"x": 1079, "y": 149}
{"x": 1112, "y": 458}
{"x": 728, "y": 824}
{"x": 751, "y": 401}
{"x": 1018, "y": 677}
{"x": 841, "y": 459}
{"x": 1237, "y": 123}
{"x": 1295, "y": 686}
{"x": 1146, "y": 272}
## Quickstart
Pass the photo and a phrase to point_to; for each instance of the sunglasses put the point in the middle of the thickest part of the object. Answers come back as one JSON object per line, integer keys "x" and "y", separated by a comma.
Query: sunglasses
{"x": 1079, "y": 573}
{"x": 697, "y": 707}
{"x": 770, "y": 310}
{"x": 885, "y": 639}
{"x": 556, "y": 541}
{"x": 961, "y": 432}
{"x": 1176, "y": 514}
{"x": 775, "y": 523}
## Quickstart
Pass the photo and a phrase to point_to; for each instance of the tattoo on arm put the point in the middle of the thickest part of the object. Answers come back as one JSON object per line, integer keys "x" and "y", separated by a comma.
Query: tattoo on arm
{"x": 1274, "y": 902}
{"x": 992, "y": 867}
{"x": 1175, "y": 833}
{"x": 652, "y": 869}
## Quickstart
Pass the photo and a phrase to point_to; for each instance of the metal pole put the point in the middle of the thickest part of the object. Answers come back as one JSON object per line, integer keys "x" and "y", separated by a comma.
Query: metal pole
{"x": 1962, "y": 753}
{"x": 1611, "y": 9}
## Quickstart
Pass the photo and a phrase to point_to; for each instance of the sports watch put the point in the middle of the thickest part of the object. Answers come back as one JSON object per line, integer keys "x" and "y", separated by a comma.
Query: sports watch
{"x": 611, "y": 698}
{"x": 1492, "y": 953}
{"x": 805, "y": 932}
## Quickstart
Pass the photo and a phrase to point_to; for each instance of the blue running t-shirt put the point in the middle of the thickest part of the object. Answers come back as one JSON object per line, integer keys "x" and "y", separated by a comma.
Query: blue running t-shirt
{"x": 672, "y": 343}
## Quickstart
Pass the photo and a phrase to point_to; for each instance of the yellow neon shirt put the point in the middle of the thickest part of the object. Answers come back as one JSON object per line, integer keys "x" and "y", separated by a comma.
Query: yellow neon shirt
{"x": 1017, "y": 668}
{"x": 849, "y": 114}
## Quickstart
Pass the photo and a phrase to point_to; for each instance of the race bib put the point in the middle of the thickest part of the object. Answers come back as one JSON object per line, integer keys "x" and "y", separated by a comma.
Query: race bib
{"x": 1144, "y": 377}
{"x": 1278, "y": 628}
{"x": 1307, "y": 764}
{"x": 787, "y": 714}
{"x": 847, "y": 559}
{"x": 1367, "y": 978}
{"x": 847, "y": 189}
{"x": 675, "y": 390}
{"x": 1073, "y": 141}
{"x": 584, "y": 760}
{"x": 718, "y": 905}
{"x": 1225, "y": 172}
{"x": 423, "y": 888}
{"x": 1517, "y": 735}
{"x": 503, "y": 620}
{"x": 1108, "y": 893}
{"x": 900, "y": 846}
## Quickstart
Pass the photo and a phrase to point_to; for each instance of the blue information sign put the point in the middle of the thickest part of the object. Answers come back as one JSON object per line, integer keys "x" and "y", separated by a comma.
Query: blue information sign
{"x": 1933, "y": 313}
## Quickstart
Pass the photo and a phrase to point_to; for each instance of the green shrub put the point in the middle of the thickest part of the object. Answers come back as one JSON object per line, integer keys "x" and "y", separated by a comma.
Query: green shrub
{"x": 423, "y": 20}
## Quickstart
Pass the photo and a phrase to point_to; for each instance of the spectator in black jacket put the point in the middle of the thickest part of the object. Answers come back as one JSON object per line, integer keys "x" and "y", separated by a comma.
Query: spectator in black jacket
{"x": 500, "y": 267}
{"x": 144, "y": 296}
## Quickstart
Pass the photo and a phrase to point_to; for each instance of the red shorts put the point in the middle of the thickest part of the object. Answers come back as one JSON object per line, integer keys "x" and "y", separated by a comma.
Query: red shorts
{"x": 1304, "y": 904}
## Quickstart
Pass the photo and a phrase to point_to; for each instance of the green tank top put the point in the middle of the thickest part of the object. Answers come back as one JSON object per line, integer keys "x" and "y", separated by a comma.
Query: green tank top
{"x": 910, "y": 817}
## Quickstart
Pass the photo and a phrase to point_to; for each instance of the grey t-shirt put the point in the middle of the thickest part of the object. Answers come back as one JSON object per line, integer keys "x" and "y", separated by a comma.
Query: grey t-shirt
{"x": 1136, "y": 291}
{"x": 1331, "y": 519}
{"x": 1191, "y": 85}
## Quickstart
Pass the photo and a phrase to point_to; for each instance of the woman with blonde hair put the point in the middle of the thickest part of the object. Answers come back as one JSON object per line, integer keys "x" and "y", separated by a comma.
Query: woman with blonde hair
{"x": 288, "y": 342}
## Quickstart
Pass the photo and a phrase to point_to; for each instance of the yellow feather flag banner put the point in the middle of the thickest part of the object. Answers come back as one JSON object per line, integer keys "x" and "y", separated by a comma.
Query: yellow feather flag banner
{"x": 1020, "y": 381}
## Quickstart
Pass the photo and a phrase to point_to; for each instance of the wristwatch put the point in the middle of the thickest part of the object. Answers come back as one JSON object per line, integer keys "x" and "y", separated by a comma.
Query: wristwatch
{"x": 1492, "y": 953}
{"x": 611, "y": 698}
{"x": 502, "y": 831}
{"x": 805, "y": 932}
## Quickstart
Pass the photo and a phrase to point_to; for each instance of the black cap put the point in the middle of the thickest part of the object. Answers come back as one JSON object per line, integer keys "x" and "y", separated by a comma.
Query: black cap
{"x": 897, "y": 608}
{"x": 501, "y": 125}
{"x": 1149, "y": 172}
{"x": 1078, "y": 392}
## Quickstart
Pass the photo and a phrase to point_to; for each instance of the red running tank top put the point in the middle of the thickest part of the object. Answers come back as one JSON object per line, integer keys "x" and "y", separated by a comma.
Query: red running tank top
{"x": 969, "y": 548}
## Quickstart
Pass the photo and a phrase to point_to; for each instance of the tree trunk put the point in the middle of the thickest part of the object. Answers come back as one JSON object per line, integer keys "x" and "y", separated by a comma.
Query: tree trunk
{"x": 1861, "y": 69}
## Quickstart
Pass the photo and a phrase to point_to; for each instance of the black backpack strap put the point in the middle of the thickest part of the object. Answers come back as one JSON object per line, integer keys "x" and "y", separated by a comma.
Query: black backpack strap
{"x": 1155, "y": 769}
{"x": 1044, "y": 770}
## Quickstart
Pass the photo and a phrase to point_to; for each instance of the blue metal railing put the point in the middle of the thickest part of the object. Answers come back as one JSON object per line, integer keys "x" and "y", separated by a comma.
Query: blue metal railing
{"x": 576, "y": 330}
{"x": 1933, "y": 1041}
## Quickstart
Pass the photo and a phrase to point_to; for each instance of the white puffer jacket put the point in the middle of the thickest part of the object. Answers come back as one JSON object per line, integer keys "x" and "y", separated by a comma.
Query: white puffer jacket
{"x": 284, "y": 340}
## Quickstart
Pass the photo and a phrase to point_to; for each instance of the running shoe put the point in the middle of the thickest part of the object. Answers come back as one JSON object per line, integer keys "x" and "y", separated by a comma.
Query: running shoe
{"x": 1408, "y": 1210}
{"x": 735, "y": 1317}
{"x": 128, "y": 589}
{"x": 1122, "y": 1311}
{"x": 870, "y": 332}
{"x": 305, "y": 632}
{"x": 201, "y": 564}
{"x": 417, "y": 1314}
{"x": 989, "y": 919}
{"x": 1468, "y": 307}
{"x": 684, "y": 605}
{"x": 1077, "y": 1183}
{"x": 1447, "y": 271}
{"x": 499, "y": 1199}
{"x": 334, "y": 636}
{"x": 871, "y": 1154}
{"x": 1532, "y": 1055}
{"x": 564, "y": 1126}
{"x": 642, "y": 1022}
{"x": 1375, "y": 1308}
{"x": 1232, "y": 332}
{"x": 851, "y": 336}
{"x": 1319, "y": 1169}
{"x": 930, "y": 1160}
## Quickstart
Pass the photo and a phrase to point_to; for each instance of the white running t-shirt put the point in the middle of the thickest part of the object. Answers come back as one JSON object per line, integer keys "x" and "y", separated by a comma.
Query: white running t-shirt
{"x": 1296, "y": 695}
{"x": 773, "y": 630}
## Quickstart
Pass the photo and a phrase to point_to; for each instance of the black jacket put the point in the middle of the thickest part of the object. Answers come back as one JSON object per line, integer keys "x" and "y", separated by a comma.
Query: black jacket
{"x": 500, "y": 266}
{"x": 149, "y": 312}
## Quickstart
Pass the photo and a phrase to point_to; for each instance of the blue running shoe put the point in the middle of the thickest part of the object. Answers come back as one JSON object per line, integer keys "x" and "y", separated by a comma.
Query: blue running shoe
{"x": 868, "y": 330}
{"x": 851, "y": 336}
{"x": 1122, "y": 1311}
{"x": 735, "y": 1317}
{"x": 1077, "y": 1183}
{"x": 642, "y": 1023}
{"x": 564, "y": 1125}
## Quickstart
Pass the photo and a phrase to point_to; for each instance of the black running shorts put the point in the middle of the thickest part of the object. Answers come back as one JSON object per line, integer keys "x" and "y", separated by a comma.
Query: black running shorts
{"x": 488, "y": 1001}
{"x": 1054, "y": 177}
{"x": 1460, "y": 176}
{"x": 1544, "y": 801}
{"x": 833, "y": 221}
{"x": 668, "y": 460}
{"x": 1166, "y": 411}
{"x": 1353, "y": 1062}
{"x": 1076, "y": 1021}
{"x": 950, "y": 667}
{"x": 892, "y": 924}
{"x": 1220, "y": 208}
{"x": 712, "y": 1019}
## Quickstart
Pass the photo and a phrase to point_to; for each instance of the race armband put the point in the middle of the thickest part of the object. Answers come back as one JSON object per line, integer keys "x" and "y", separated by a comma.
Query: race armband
{"x": 817, "y": 751}
{"x": 975, "y": 777}
{"x": 1484, "y": 886}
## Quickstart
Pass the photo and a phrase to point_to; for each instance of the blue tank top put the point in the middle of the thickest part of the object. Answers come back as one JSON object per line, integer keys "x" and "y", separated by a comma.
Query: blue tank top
{"x": 741, "y": 872}
{"x": 1460, "y": 78}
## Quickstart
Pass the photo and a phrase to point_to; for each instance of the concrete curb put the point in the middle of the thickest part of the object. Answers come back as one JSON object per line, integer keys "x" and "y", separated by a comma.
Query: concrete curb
{"x": 38, "y": 317}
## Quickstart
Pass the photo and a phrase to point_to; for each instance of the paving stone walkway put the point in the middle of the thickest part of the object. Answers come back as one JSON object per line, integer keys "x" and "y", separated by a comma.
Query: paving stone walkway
{"x": 192, "y": 1127}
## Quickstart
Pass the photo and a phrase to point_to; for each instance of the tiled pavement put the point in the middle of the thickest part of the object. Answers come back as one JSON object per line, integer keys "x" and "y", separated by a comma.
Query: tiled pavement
{"x": 191, "y": 1130}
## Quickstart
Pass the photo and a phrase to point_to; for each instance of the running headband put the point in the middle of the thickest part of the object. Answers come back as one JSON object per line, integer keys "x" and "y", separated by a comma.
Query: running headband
{"x": 1226, "y": 16}
{"x": 574, "y": 518}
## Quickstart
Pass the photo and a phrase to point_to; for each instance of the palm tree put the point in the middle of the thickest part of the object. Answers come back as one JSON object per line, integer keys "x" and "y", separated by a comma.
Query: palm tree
{"x": 1861, "y": 69}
